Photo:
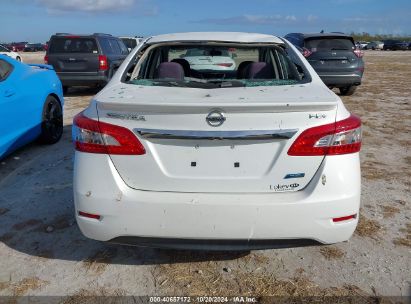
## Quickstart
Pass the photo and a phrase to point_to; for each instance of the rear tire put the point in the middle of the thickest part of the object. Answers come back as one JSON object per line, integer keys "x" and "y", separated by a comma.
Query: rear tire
{"x": 52, "y": 121}
{"x": 347, "y": 91}
{"x": 18, "y": 58}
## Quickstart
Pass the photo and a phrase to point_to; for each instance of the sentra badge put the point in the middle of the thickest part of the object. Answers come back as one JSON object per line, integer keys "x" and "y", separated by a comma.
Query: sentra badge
{"x": 130, "y": 116}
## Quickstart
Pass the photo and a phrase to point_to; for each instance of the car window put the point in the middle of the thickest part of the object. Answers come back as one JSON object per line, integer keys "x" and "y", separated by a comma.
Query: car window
{"x": 123, "y": 48}
{"x": 114, "y": 46}
{"x": 327, "y": 43}
{"x": 216, "y": 66}
{"x": 110, "y": 46}
{"x": 130, "y": 43}
{"x": 73, "y": 45}
{"x": 206, "y": 52}
{"x": 5, "y": 69}
{"x": 106, "y": 46}
{"x": 3, "y": 49}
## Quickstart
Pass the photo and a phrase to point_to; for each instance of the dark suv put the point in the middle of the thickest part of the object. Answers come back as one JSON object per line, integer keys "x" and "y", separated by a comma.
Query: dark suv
{"x": 395, "y": 45}
{"x": 334, "y": 57}
{"x": 85, "y": 60}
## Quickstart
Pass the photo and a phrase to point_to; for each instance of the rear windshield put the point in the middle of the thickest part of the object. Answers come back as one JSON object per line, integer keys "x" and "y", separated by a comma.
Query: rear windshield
{"x": 130, "y": 43}
{"x": 73, "y": 45}
{"x": 328, "y": 43}
{"x": 216, "y": 66}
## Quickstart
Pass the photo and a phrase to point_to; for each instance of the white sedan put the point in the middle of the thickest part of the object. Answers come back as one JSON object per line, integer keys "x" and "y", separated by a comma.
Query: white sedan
{"x": 7, "y": 52}
{"x": 261, "y": 157}
{"x": 209, "y": 59}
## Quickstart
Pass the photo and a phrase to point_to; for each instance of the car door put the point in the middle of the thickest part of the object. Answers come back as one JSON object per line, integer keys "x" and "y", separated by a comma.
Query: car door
{"x": 18, "y": 123}
{"x": 8, "y": 107}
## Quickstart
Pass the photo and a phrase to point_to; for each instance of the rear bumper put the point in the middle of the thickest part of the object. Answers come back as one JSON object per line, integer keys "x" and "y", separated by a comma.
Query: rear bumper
{"x": 82, "y": 79}
{"x": 225, "y": 220}
{"x": 341, "y": 80}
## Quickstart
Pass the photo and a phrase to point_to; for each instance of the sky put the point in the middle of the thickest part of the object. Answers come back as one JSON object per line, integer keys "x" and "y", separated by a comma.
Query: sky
{"x": 37, "y": 20}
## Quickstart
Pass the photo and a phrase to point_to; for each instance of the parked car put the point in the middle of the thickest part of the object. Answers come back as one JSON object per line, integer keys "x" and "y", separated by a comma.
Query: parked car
{"x": 361, "y": 44}
{"x": 409, "y": 45}
{"x": 209, "y": 59}
{"x": 34, "y": 47}
{"x": 375, "y": 45}
{"x": 395, "y": 45}
{"x": 334, "y": 57}
{"x": 131, "y": 42}
{"x": 31, "y": 105}
{"x": 18, "y": 46}
{"x": 7, "y": 52}
{"x": 85, "y": 60}
{"x": 259, "y": 157}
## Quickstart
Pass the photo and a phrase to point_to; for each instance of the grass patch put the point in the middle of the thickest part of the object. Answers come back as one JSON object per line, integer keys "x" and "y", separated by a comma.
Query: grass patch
{"x": 367, "y": 227}
{"x": 389, "y": 211}
{"x": 98, "y": 262}
{"x": 332, "y": 252}
{"x": 404, "y": 241}
{"x": 20, "y": 288}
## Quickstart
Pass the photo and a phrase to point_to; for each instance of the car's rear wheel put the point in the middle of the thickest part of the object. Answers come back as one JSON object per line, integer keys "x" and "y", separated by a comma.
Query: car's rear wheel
{"x": 347, "y": 91}
{"x": 18, "y": 58}
{"x": 52, "y": 121}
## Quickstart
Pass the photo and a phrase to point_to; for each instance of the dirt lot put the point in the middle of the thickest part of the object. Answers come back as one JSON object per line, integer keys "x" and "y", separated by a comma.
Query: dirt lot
{"x": 43, "y": 252}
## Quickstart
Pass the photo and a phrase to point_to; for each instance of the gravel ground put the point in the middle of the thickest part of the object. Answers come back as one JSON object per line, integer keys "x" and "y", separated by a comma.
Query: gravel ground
{"x": 43, "y": 252}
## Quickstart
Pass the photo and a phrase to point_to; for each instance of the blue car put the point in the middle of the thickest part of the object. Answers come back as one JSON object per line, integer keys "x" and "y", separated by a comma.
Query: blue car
{"x": 31, "y": 105}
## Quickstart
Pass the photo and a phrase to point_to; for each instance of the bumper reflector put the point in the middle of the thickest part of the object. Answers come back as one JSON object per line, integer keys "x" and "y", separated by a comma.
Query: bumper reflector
{"x": 344, "y": 218}
{"x": 89, "y": 215}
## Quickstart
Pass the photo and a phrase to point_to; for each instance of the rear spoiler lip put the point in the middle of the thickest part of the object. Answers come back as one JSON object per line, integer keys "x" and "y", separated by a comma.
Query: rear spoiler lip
{"x": 42, "y": 66}
{"x": 199, "y": 108}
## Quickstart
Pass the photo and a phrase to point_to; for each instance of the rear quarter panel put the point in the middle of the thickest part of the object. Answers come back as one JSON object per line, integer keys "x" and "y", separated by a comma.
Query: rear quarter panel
{"x": 23, "y": 112}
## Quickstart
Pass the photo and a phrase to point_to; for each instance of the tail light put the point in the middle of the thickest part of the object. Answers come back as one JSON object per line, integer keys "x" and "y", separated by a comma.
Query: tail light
{"x": 227, "y": 65}
{"x": 94, "y": 136}
{"x": 102, "y": 63}
{"x": 46, "y": 59}
{"x": 358, "y": 53}
{"x": 341, "y": 137}
{"x": 306, "y": 52}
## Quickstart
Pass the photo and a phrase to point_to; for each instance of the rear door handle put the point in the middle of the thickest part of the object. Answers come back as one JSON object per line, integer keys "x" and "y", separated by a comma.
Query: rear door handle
{"x": 9, "y": 92}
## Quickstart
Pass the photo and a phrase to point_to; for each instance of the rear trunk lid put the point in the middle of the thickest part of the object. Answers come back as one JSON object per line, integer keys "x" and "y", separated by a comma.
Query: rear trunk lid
{"x": 74, "y": 54}
{"x": 332, "y": 54}
{"x": 246, "y": 153}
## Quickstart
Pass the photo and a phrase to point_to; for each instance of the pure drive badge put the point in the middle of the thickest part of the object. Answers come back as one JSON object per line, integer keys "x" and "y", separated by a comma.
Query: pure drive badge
{"x": 284, "y": 187}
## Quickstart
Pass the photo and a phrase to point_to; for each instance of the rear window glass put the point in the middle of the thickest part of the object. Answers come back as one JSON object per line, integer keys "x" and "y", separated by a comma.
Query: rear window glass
{"x": 217, "y": 66}
{"x": 73, "y": 45}
{"x": 206, "y": 52}
{"x": 324, "y": 44}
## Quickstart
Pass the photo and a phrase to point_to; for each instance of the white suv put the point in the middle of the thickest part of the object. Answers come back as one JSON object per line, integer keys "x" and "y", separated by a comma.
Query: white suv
{"x": 257, "y": 157}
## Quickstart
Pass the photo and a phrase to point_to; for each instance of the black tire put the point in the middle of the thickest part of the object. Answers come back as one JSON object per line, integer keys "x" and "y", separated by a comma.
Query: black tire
{"x": 52, "y": 121}
{"x": 347, "y": 91}
{"x": 65, "y": 89}
{"x": 18, "y": 58}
